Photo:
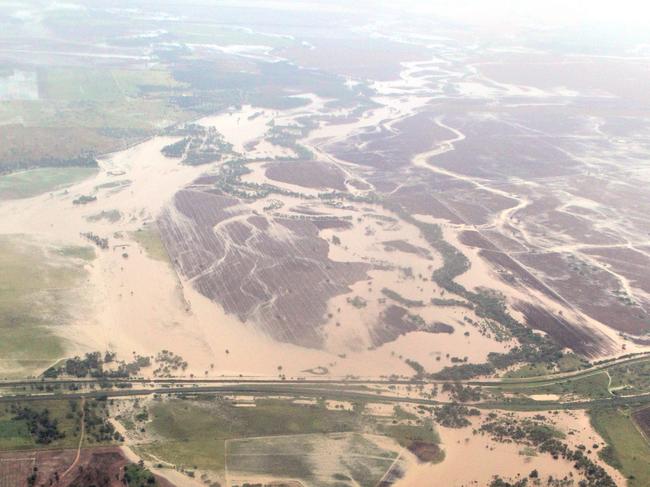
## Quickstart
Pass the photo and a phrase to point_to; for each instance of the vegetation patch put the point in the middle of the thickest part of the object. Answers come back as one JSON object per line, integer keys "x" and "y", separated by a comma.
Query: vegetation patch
{"x": 199, "y": 145}
{"x": 535, "y": 433}
{"x": 98, "y": 366}
{"x": 589, "y": 386}
{"x": 631, "y": 378}
{"x": 84, "y": 199}
{"x": 420, "y": 438}
{"x": 395, "y": 296}
{"x": 39, "y": 424}
{"x": 33, "y": 182}
{"x": 148, "y": 237}
{"x": 454, "y": 415}
{"x": 110, "y": 216}
{"x": 135, "y": 475}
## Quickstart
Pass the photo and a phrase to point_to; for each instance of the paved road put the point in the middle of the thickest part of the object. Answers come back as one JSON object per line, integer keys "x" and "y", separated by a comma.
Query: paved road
{"x": 351, "y": 389}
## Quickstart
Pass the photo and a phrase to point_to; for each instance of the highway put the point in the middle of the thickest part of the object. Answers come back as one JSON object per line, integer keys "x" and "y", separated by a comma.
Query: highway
{"x": 303, "y": 390}
{"x": 342, "y": 389}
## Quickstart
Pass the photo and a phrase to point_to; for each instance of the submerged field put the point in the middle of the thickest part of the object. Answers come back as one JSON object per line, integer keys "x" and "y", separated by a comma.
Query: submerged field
{"x": 269, "y": 194}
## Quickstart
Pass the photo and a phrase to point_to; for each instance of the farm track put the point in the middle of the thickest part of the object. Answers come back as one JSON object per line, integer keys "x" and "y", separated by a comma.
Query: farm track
{"x": 81, "y": 439}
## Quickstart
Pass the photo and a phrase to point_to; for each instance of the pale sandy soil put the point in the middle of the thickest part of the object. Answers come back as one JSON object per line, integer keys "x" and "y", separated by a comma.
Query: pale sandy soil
{"x": 544, "y": 397}
{"x": 174, "y": 476}
{"x": 178, "y": 479}
{"x": 324, "y": 460}
{"x": 306, "y": 402}
{"x": 241, "y": 398}
{"x": 380, "y": 409}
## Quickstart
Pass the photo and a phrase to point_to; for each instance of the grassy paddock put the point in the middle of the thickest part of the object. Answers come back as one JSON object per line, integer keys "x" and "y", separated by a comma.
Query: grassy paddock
{"x": 590, "y": 387}
{"x": 193, "y": 433}
{"x": 38, "y": 293}
{"x": 26, "y": 184}
{"x": 15, "y": 435}
{"x": 148, "y": 238}
{"x": 628, "y": 451}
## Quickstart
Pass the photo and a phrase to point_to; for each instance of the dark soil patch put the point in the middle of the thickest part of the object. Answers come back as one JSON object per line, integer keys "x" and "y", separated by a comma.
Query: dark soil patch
{"x": 308, "y": 174}
{"x": 580, "y": 339}
{"x": 404, "y": 246}
{"x": 425, "y": 452}
{"x": 642, "y": 418}
{"x": 472, "y": 238}
{"x": 99, "y": 467}
{"x": 442, "y": 328}
{"x": 393, "y": 323}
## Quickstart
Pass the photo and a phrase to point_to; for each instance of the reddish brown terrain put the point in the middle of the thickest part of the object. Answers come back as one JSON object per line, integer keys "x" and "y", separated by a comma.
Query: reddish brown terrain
{"x": 99, "y": 467}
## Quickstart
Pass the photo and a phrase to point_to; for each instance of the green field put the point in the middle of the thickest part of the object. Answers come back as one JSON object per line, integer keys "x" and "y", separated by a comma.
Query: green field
{"x": 589, "y": 387}
{"x": 148, "y": 238}
{"x": 405, "y": 433}
{"x": 38, "y": 293}
{"x": 100, "y": 85}
{"x": 567, "y": 363}
{"x": 85, "y": 110}
{"x": 629, "y": 452}
{"x": 631, "y": 378}
{"x": 194, "y": 432}
{"x": 15, "y": 434}
{"x": 100, "y": 98}
{"x": 30, "y": 183}
{"x": 78, "y": 252}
